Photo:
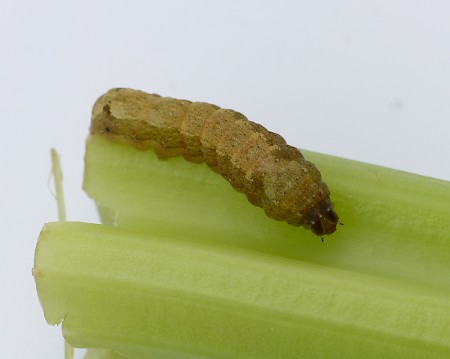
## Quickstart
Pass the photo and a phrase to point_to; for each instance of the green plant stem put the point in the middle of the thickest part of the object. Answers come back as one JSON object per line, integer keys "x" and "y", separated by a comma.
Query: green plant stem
{"x": 58, "y": 180}
{"x": 396, "y": 225}
{"x": 195, "y": 271}
{"x": 143, "y": 295}
{"x": 59, "y": 194}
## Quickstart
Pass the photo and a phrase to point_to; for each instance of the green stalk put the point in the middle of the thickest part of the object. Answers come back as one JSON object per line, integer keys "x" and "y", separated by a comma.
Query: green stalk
{"x": 58, "y": 180}
{"x": 195, "y": 271}
{"x": 146, "y": 296}
{"x": 396, "y": 225}
{"x": 59, "y": 196}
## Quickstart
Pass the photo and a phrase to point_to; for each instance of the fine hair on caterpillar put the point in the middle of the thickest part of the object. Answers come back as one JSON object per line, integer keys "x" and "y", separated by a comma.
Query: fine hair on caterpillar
{"x": 259, "y": 163}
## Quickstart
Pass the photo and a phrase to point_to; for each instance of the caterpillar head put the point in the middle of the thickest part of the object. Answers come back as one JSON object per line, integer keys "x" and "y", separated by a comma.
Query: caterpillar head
{"x": 322, "y": 219}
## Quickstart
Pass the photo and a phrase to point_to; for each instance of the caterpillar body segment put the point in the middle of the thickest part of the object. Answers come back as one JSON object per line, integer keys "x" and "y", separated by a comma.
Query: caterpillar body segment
{"x": 259, "y": 163}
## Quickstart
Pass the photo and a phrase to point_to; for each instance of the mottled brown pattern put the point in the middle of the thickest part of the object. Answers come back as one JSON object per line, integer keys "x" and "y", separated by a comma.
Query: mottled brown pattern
{"x": 256, "y": 162}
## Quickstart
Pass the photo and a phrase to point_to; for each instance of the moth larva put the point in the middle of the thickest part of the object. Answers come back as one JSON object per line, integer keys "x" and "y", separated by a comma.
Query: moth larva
{"x": 257, "y": 162}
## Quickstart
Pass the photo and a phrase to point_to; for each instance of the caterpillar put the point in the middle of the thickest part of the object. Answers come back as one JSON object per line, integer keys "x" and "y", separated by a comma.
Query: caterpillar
{"x": 272, "y": 174}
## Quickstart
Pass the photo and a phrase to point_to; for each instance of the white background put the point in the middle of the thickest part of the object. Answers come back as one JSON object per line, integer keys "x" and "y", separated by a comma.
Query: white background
{"x": 366, "y": 80}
